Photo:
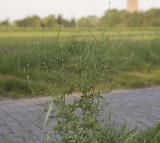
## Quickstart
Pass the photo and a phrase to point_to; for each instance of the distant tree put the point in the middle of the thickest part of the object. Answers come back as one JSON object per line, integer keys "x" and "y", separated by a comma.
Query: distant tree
{"x": 88, "y": 21}
{"x": 152, "y": 18}
{"x": 59, "y": 19}
{"x": 5, "y": 23}
{"x": 33, "y": 21}
{"x": 115, "y": 18}
{"x": 20, "y": 23}
{"x": 111, "y": 18}
{"x": 72, "y": 23}
{"x": 135, "y": 20}
{"x": 122, "y": 18}
{"x": 66, "y": 23}
{"x": 49, "y": 22}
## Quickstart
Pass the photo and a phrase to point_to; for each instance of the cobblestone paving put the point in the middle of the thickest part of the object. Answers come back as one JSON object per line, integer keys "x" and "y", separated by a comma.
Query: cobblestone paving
{"x": 21, "y": 120}
{"x": 139, "y": 108}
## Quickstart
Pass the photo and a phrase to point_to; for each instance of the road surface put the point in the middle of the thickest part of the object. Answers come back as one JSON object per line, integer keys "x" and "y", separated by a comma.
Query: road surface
{"x": 21, "y": 120}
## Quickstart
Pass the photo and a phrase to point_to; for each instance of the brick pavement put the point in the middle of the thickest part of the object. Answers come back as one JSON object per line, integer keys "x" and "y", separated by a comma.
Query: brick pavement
{"x": 21, "y": 120}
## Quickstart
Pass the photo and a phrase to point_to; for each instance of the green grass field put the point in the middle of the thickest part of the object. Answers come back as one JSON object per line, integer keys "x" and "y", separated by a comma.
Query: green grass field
{"x": 132, "y": 54}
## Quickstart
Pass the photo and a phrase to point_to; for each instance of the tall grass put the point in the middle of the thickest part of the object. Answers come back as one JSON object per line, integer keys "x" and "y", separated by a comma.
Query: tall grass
{"x": 130, "y": 57}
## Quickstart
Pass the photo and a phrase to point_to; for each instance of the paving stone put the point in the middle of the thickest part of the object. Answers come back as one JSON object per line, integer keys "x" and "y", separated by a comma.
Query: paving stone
{"x": 22, "y": 120}
{"x": 5, "y": 131}
{"x": 3, "y": 140}
{"x": 18, "y": 140}
{"x": 8, "y": 138}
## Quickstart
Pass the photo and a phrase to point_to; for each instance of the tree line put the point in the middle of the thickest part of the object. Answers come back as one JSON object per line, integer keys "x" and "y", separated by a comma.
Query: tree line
{"x": 112, "y": 18}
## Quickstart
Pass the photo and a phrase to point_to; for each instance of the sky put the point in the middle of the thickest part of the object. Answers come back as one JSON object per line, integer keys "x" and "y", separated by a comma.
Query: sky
{"x": 19, "y": 9}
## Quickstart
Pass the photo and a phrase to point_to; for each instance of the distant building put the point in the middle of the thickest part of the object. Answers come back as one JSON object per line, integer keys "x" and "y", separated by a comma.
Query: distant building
{"x": 132, "y": 5}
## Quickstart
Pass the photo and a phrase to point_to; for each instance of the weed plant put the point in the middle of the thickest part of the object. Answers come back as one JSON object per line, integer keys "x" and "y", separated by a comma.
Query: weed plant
{"x": 80, "y": 68}
{"x": 77, "y": 69}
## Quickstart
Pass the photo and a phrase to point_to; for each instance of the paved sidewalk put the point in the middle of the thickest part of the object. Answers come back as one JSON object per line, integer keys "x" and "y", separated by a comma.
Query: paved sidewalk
{"x": 139, "y": 108}
{"x": 22, "y": 120}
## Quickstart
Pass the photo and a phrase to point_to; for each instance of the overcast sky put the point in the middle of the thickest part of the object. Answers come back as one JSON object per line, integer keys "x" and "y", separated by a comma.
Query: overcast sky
{"x": 17, "y": 9}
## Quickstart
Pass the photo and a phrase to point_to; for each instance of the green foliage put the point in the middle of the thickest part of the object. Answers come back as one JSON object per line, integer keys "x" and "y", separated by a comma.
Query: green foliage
{"x": 81, "y": 127}
{"x": 18, "y": 50}
{"x": 80, "y": 65}
{"x": 49, "y": 22}
{"x": 12, "y": 85}
{"x": 80, "y": 68}
{"x": 33, "y": 21}
{"x": 113, "y": 18}
{"x": 153, "y": 15}
{"x": 5, "y": 23}
{"x": 151, "y": 135}
{"x": 88, "y": 21}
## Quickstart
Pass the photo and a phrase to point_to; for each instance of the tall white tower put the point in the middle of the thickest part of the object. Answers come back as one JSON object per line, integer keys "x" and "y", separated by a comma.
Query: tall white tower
{"x": 132, "y": 5}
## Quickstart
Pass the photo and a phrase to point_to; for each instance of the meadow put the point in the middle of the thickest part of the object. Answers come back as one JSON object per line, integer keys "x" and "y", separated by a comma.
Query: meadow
{"x": 27, "y": 58}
